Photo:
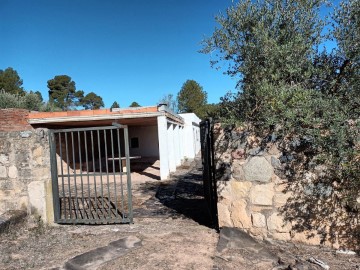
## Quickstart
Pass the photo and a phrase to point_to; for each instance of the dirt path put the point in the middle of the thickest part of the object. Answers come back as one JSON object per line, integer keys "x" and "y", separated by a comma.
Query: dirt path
{"x": 171, "y": 230}
{"x": 166, "y": 220}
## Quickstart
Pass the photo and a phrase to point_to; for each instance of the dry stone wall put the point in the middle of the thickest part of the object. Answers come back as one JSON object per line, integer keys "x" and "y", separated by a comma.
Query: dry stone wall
{"x": 251, "y": 192}
{"x": 25, "y": 177}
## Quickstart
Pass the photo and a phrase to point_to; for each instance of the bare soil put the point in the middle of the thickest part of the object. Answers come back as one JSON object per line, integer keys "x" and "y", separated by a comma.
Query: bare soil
{"x": 172, "y": 221}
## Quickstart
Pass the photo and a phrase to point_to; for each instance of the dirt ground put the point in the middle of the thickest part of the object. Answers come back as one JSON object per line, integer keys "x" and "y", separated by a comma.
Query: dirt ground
{"x": 174, "y": 227}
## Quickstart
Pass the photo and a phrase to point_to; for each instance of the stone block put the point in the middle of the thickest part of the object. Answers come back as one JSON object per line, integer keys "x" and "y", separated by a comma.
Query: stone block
{"x": 25, "y": 134}
{"x": 258, "y": 169}
{"x": 37, "y": 198}
{"x": 5, "y": 146}
{"x": 237, "y": 171}
{"x": 24, "y": 173}
{"x": 13, "y": 172}
{"x": 285, "y": 236}
{"x": 274, "y": 150}
{"x": 261, "y": 208}
{"x": 49, "y": 203}
{"x": 4, "y": 159}
{"x": 275, "y": 163}
{"x": 239, "y": 216}
{"x": 7, "y": 184}
{"x": 307, "y": 237}
{"x": 39, "y": 160}
{"x": 41, "y": 173}
{"x": 23, "y": 202}
{"x": 238, "y": 153}
{"x": 258, "y": 151}
{"x": 224, "y": 215}
{"x": 224, "y": 190}
{"x": 262, "y": 194}
{"x": 280, "y": 185}
{"x": 258, "y": 220}
{"x": 38, "y": 152}
{"x": 240, "y": 189}
{"x": 276, "y": 223}
{"x": 280, "y": 199}
{"x": 3, "y": 172}
{"x": 258, "y": 233}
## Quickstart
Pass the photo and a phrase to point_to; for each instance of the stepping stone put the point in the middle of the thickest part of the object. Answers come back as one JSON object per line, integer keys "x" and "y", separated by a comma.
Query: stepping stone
{"x": 234, "y": 240}
{"x": 96, "y": 257}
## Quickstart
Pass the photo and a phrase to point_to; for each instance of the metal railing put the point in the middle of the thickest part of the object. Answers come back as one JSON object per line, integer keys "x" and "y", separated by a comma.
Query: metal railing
{"x": 89, "y": 181}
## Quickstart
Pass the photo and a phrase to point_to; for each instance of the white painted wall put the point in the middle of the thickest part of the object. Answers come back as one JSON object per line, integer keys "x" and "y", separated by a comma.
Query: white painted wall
{"x": 177, "y": 145}
{"x": 177, "y": 142}
{"x": 191, "y": 135}
{"x": 148, "y": 141}
{"x": 182, "y": 140}
{"x": 171, "y": 147}
{"x": 163, "y": 147}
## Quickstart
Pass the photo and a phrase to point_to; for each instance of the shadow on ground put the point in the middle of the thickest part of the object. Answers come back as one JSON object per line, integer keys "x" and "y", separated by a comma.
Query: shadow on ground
{"x": 180, "y": 197}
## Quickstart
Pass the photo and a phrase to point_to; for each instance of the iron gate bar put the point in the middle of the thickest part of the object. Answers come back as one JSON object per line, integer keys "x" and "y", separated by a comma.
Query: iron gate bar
{"x": 107, "y": 167}
{"x": 92, "y": 174}
{"x": 55, "y": 188}
{"x": 100, "y": 168}
{"x": 120, "y": 164}
{"x": 113, "y": 165}
{"x": 93, "y": 165}
{"x": 208, "y": 161}
{"x": 76, "y": 208}
{"x": 81, "y": 177}
{"x": 87, "y": 167}
{"x": 73, "y": 154}
{"x": 127, "y": 155}
{"x": 121, "y": 181}
{"x": 68, "y": 175}
{"x": 62, "y": 170}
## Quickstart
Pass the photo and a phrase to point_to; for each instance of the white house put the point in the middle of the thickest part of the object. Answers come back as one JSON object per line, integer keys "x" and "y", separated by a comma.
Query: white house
{"x": 154, "y": 132}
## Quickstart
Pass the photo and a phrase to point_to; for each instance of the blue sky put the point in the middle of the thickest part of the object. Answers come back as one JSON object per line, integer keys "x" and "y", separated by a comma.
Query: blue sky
{"x": 126, "y": 51}
{"x": 122, "y": 50}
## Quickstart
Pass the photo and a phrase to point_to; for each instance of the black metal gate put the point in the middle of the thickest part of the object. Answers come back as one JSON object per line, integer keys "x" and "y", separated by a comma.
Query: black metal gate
{"x": 90, "y": 170}
{"x": 209, "y": 181}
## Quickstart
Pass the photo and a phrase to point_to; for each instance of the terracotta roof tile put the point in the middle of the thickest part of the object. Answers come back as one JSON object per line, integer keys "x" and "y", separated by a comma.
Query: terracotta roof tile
{"x": 35, "y": 115}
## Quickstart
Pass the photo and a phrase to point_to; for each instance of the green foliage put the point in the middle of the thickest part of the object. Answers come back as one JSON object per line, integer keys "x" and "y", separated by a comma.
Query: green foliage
{"x": 171, "y": 102}
{"x": 32, "y": 102}
{"x": 267, "y": 41}
{"x": 134, "y": 104}
{"x": 11, "y": 82}
{"x": 62, "y": 92}
{"x": 29, "y": 101}
{"x": 192, "y": 99}
{"x": 309, "y": 101}
{"x": 115, "y": 105}
{"x": 39, "y": 95}
{"x": 49, "y": 107}
{"x": 8, "y": 100}
{"x": 211, "y": 110}
{"x": 91, "y": 101}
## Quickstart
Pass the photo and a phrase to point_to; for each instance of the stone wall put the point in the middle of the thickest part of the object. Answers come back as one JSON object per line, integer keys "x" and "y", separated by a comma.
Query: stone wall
{"x": 25, "y": 177}
{"x": 251, "y": 193}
